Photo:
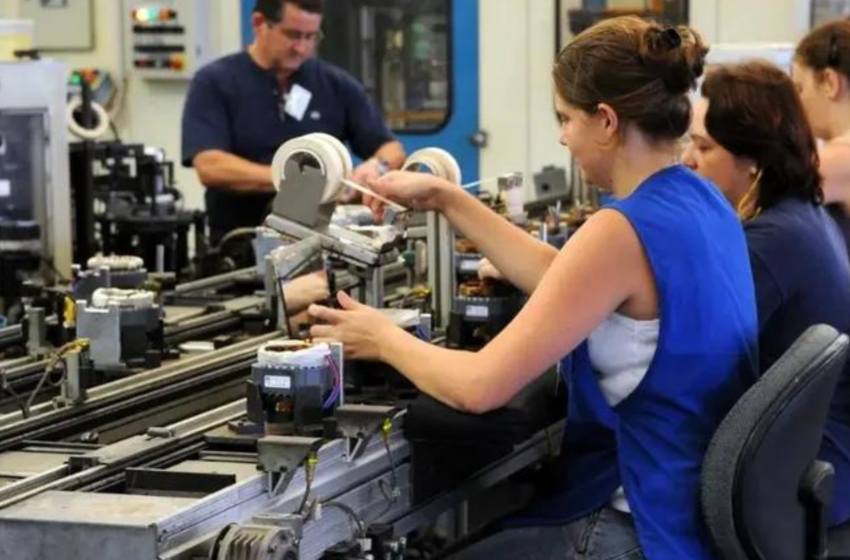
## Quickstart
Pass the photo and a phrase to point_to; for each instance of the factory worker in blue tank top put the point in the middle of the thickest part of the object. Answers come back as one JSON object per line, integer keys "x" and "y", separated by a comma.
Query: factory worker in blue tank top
{"x": 763, "y": 158}
{"x": 652, "y": 297}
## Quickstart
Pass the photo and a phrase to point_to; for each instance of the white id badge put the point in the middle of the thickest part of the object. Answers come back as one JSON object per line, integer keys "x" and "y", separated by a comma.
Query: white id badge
{"x": 297, "y": 102}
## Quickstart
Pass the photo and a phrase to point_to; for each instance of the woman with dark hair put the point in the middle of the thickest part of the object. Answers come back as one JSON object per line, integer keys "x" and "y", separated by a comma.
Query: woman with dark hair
{"x": 821, "y": 72}
{"x": 763, "y": 158}
{"x": 653, "y": 297}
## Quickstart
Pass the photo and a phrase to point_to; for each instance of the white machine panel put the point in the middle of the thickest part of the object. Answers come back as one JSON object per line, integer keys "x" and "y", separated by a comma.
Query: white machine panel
{"x": 166, "y": 39}
{"x": 60, "y": 24}
{"x": 34, "y": 153}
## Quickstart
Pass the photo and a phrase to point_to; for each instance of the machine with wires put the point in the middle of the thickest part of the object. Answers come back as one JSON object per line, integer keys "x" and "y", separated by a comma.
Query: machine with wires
{"x": 293, "y": 386}
{"x": 126, "y": 203}
{"x": 35, "y": 217}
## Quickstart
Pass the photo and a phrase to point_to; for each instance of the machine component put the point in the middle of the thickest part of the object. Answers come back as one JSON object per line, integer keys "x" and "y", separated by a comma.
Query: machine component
{"x": 20, "y": 257}
{"x": 480, "y": 308}
{"x": 436, "y": 162}
{"x": 99, "y": 127}
{"x": 36, "y": 331}
{"x": 141, "y": 209}
{"x": 114, "y": 271}
{"x": 439, "y": 233}
{"x": 265, "y": 241}
{"x": 34, "y": 161}
{"x": 103, "y": 89}
{"x": 308, "y": 172}
{"x": 77, "y": 378}
{"x": 254, "y": 542}
{"x": 125, "y": 271}
{"x": 167, "y": 39}
{"x": 293, "y": 385}
{"x": 60, "y": 25}
{"x": 551, "y": 183}
{"x": 124, "y": 327}
{"x": 511, "y": 188}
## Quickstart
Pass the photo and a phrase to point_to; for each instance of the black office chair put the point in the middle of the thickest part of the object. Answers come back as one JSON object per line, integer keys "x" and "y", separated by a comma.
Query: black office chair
{"x": 764, "y": 494}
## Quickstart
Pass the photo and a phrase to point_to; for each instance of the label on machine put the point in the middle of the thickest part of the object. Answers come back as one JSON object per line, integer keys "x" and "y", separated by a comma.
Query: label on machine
{"x": 277, "y": 382}
{"x": 477, "y": 311}
{"x": 469, "y": 265}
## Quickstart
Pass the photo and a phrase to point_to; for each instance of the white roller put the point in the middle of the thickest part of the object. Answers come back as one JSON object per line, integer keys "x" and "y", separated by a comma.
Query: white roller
{"x": 345, "y": 157}
{"x": 440, "y": 162}
{"x": 137, "y": 299}
{"x": 116, "y": 262}
{"x": 77, "y": 129}
{"x": 293, "y": 353}
{"x": 333, "y": 159}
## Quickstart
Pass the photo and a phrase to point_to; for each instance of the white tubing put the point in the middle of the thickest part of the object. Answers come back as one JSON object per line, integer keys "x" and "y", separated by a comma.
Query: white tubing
{"x": 116, "y": 262}
{"x": 440, "y": 162}
{"x": 77, "y": 130}
{"x": 331, "y": 155}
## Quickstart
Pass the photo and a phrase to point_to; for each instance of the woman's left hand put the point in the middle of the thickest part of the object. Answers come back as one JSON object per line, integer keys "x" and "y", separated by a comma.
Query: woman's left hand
{"x": 358, "y": 327}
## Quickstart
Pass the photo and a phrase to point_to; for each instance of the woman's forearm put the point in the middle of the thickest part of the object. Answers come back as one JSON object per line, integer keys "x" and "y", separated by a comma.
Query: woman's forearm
{"x": 519, "y": 256}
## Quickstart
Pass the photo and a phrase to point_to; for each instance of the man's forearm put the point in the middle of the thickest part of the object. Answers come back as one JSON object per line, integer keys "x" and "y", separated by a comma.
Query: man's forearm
{"x": 219, "y": 169}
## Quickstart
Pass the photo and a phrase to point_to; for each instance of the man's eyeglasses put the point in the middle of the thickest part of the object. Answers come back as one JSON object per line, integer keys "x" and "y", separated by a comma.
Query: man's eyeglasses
{"x": 295, "y": 36}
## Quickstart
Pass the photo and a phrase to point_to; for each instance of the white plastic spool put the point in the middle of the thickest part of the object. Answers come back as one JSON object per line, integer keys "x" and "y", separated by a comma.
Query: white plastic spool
{"x": 438, "y": 161}
{"x": 329, "y": 153}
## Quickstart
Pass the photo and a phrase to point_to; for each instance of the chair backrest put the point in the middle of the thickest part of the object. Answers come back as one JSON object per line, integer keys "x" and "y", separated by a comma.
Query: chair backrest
{"x": 752, "y": 470}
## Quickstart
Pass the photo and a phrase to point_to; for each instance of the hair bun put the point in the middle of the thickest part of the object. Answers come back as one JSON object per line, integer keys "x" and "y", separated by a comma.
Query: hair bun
{"x": 676, "y": 53}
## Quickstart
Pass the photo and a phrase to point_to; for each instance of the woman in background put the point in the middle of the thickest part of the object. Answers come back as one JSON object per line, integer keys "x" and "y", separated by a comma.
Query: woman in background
{"x": 763, "y": 158}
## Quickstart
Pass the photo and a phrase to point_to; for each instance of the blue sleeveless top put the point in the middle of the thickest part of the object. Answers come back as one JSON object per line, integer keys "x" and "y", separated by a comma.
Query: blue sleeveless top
{"x": 653, "y": 442}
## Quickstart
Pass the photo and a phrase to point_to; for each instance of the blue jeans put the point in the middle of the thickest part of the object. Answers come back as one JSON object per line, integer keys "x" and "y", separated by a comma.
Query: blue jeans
{"x": 606, "y": 534}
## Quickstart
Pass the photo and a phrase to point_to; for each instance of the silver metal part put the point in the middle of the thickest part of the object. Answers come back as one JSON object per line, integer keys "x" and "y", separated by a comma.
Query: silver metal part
{"x": 111, "y": 329}
{"x": 298, "y": 212}
{"x": 254, "y": 542}
{"x": 36, "y": 330}
{"x": 283, "y": 454}
{"x": 74, "y": 386}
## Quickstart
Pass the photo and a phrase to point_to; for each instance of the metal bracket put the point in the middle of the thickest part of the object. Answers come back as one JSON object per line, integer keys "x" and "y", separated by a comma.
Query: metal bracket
{"x": 359, "y": 422}
{"x": 283, "y": 454}
{"x": 280, "y": 456}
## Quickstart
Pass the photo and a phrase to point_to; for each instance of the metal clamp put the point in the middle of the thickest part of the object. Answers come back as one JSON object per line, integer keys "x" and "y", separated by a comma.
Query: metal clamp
{"x": 358, "y": 422}
{"x": 283, "y": 454}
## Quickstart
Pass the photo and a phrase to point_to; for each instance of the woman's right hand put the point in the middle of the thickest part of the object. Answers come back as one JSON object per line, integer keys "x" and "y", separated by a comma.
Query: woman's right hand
{"x": 418, "y": 191}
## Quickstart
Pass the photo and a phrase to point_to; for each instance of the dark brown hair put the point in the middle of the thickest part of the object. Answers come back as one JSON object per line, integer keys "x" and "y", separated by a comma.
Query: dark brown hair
{"x": 642, "y": 70}
{"x": 754, "y": 111}
{"x": 272, "y": 10}
{"x": 827, "y": 46}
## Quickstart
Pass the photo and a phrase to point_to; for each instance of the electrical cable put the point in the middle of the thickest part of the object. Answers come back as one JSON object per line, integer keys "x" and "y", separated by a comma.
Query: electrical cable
{"x": 309, "y": 473}
{"x": 73, "y": 345}
{"x": 77, "y": 129}
{"x": 335, "y": 392}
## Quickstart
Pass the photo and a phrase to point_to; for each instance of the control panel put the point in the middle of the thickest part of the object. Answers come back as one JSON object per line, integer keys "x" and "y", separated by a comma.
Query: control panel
{"x": 167, "y": 39}
{"x": 102, "y": 86}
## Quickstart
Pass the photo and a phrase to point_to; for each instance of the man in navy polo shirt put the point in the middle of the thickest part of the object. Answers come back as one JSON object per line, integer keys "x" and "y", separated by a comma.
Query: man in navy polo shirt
{"x": 242, "y": 107}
